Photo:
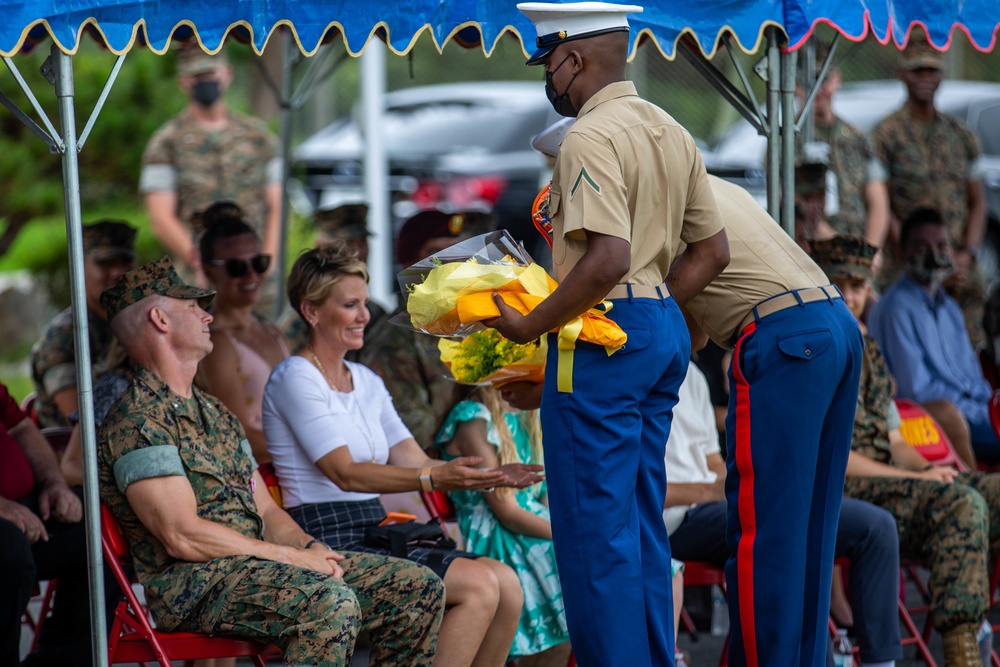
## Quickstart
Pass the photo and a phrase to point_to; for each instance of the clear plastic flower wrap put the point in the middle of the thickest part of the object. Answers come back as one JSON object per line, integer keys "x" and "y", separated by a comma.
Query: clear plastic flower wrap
{"x": 450, "y": 293}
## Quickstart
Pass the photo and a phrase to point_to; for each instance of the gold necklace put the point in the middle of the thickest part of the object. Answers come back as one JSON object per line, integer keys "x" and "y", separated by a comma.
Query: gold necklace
{"x": 365, "y": 430}
{"x": 319, "y": 365}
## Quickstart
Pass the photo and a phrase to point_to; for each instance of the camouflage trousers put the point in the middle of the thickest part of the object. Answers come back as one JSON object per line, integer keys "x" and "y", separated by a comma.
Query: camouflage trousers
{"x": 951, "y": 529}
{"x": 315, "y": 618}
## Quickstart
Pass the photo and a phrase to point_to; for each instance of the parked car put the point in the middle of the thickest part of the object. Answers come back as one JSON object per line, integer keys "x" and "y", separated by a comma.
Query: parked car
{"x": 739, "y": 155}
{"x": 451, "y": 146}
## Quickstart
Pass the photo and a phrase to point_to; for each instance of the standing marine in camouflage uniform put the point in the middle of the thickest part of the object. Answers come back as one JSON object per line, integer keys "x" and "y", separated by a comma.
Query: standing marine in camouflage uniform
{"x": 212, "y": 549}
{"x": 409, "y": 362}
{"x": 348, "y": 222}
{"x": 933, "y": 161}
{"x": 946, "y": 519}
{"x": 856, "y": 180}
{"x": 108, "y": 252}
{"x": 208, "y": 154}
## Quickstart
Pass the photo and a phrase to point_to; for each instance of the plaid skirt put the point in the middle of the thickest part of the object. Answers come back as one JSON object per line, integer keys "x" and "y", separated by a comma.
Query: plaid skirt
{"x": 341, "y": 526}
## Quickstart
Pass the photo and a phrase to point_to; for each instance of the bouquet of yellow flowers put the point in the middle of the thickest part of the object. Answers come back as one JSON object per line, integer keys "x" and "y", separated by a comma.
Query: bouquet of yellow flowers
{"x": 486, "y": 357}
{"x": 451, "y": 293}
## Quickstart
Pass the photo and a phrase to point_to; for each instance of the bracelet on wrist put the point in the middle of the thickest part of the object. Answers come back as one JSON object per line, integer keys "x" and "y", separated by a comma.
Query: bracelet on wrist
{"x": 312, "y": 542}
{"x": 426, "y": 481}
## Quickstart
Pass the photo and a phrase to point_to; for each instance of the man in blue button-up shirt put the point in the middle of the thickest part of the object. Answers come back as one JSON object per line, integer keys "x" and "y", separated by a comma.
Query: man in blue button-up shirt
{"x": 923, "y": 336}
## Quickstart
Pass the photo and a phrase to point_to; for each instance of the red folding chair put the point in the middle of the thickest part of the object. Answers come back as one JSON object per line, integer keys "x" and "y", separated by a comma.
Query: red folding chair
{"x": 697, "y": 573}
{"x": 440, "y": 507}
{"x": 266, "y": 471}
{"x": 925, "y": 435}
{"x": 44, "y": 592}
{"x": 132, "y": 637}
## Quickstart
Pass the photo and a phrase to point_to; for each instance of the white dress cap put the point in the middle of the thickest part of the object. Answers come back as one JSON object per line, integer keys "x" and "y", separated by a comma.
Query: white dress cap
{"x": 557, "y": 23}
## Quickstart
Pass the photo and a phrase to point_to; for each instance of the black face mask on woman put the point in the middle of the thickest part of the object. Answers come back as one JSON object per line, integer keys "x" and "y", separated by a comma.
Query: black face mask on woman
{"x": 560, "y": 101}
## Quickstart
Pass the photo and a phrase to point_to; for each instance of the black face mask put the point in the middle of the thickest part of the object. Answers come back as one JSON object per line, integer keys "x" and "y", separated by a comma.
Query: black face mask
{"x": 930, "y": 270}
{"x": 560, "y": 101}
{"x": 206, "y": 93}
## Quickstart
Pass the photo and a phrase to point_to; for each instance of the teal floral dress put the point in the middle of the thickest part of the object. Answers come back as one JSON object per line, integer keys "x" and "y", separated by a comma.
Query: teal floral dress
{"x": 543, "y": 618}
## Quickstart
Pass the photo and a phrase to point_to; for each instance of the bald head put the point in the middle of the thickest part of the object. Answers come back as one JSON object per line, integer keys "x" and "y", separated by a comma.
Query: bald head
{"x": 608, "y": 52}
{"x": 129, "y": 325}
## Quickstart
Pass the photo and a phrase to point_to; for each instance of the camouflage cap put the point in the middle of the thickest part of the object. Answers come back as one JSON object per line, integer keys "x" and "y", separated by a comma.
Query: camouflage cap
{"x": 348, "y": 221}
{"x": 433, "y": 224}
{"x": 109, "y": 239}
{"x": 158, "y": 277}
{"x": 919, "y": 54}
{"x": 191, "y": 61}
{"x": 844, "y": 257}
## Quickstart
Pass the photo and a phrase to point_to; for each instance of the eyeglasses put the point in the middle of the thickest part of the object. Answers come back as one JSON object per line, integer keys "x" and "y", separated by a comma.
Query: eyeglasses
{"x": 237, "y": 268}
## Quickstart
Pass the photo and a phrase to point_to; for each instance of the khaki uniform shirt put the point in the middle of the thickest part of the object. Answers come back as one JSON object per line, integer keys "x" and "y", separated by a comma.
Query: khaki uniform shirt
{"x": 53, "y": 361}
{"x": 231, "y": 164}
{"x": 153, "y": 432}
{"x": 627, "y": 169}
{"x": 764, "y": 261}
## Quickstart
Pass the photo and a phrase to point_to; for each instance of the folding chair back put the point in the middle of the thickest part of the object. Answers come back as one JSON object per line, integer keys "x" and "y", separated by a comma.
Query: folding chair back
{"x": 132, "y": 637}
{"x": 266, "y": 471}
{"x": 924, "y": 434}
{"x": 58, "y": 438}
{"x": 440, "y": 507}
{"x": 697, "y": 573}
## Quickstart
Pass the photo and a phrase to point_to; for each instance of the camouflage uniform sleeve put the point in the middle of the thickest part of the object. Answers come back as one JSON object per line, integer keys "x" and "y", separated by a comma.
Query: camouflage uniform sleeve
{"x": 159, "y": 148}
{"x": 973, "y": 151}
{"x": 53, "y": 358}
{"x": 396, "y": 359}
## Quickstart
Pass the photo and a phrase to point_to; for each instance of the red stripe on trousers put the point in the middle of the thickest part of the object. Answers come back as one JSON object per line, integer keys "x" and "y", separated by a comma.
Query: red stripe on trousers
{"x": 747, "y": 510}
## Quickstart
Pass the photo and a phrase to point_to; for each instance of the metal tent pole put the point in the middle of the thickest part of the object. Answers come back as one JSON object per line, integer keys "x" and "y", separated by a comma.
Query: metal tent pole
{"x": 788, "y": 142}
{"x": 285, "y": 116}
{"x": 773, "y": 124}
{"x": 376, "y": 168}
{"x": 63, "y": 70}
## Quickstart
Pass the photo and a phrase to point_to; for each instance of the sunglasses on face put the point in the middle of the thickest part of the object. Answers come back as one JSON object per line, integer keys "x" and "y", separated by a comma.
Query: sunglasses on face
{"x": 237, "y": 268}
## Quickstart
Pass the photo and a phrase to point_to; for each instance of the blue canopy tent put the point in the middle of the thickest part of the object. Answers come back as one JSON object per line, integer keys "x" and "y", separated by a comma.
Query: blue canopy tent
{"x": 695, "y": 29}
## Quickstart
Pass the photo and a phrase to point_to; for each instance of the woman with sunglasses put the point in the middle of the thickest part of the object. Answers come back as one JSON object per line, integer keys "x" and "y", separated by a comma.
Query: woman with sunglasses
{"x": 245, "y": 347}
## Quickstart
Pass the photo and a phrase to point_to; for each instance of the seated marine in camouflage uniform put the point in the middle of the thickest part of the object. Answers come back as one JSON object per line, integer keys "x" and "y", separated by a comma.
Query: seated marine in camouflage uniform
{"x": 948, "y": 520}
{"x": 212, "y": 549}
{"x": 108, "y": 252}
